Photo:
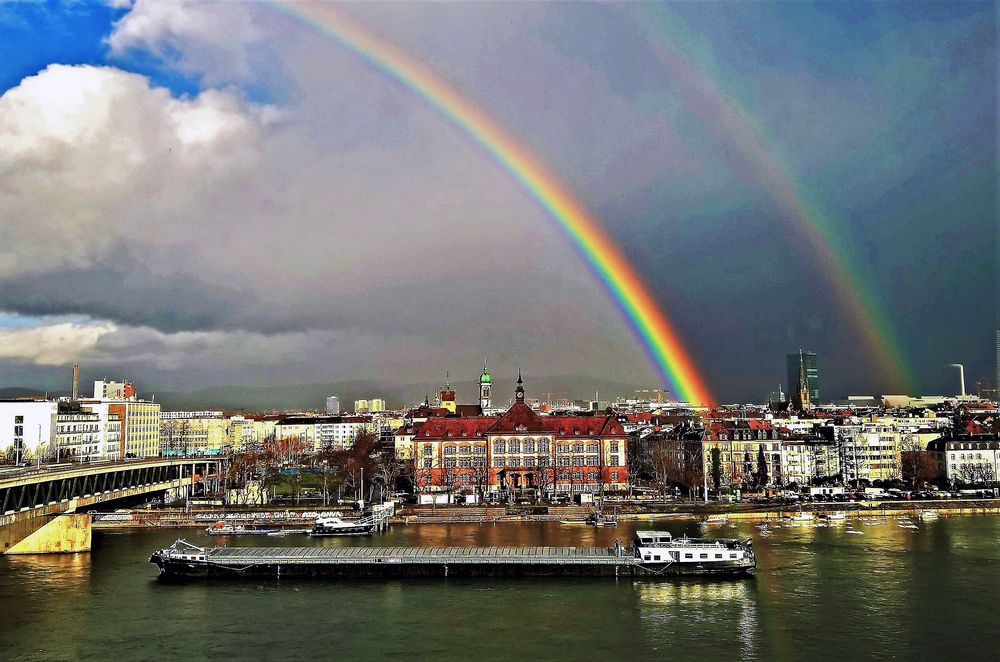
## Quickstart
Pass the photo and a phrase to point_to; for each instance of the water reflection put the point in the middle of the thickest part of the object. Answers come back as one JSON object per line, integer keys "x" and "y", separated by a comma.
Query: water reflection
{"x": 689, "y": 614}
{"x": 46, "y": 572}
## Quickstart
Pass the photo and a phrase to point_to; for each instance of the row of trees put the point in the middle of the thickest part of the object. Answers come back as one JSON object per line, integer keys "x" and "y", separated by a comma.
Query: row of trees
{"x": 363, "y": 469}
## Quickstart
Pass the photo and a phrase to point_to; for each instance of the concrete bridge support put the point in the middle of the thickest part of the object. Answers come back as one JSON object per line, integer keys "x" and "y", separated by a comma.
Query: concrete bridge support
{"x": 61, "y": 534}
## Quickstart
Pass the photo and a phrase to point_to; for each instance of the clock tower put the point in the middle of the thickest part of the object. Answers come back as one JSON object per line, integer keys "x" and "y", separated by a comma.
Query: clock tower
{"x": 519, "y": 391}
{"x": 485, "y": 386}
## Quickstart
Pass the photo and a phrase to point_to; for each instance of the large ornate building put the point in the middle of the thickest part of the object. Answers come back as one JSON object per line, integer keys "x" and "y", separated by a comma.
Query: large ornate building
{"x": 520, "y": 452}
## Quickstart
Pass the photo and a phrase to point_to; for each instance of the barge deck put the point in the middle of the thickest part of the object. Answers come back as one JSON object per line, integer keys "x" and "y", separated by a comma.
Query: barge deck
{"x": 184, "y": 560}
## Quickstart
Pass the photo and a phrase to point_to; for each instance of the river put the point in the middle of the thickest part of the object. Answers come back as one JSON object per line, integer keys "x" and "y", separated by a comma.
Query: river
{"x": 819, "y": 593}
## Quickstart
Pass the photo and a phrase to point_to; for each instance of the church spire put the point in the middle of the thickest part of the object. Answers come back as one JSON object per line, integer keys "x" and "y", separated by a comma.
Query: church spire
{"x": 519, "y": 391}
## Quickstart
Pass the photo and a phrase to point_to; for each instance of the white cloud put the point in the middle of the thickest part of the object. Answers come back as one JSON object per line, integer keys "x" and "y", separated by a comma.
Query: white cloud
{"x": 194, "y": 37}
{"x": 91, "y": 157}
{"x": 52, "y": 344}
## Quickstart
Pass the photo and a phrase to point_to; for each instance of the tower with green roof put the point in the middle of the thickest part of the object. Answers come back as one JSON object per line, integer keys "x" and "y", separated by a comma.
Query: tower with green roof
{"x": 485, "y": 386}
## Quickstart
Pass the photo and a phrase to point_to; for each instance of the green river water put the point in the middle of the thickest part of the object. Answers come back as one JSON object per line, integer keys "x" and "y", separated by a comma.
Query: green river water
{"x": 819, "y": 593}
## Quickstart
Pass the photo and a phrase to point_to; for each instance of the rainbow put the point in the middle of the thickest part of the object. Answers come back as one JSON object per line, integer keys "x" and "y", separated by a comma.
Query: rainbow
{"x": 648, "y": 322}
{"x": 802, "y": 214}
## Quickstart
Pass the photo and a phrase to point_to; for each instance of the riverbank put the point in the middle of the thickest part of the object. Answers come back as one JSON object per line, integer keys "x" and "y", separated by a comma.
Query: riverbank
{"x": 417, "y": 515}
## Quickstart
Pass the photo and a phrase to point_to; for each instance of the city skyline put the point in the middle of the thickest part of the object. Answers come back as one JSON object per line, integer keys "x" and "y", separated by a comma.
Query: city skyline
{"x": 255, "y": 223}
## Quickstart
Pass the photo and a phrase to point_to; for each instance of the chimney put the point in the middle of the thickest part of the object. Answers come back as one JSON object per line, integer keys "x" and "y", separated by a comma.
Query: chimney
{"x": 76, "y": 381}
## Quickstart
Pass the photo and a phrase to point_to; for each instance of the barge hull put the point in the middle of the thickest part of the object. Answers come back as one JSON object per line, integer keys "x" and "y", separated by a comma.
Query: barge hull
{"x": 235, "y": 563}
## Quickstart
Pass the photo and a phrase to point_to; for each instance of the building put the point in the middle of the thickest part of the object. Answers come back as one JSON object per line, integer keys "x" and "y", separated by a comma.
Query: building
{"x": 486, "y": 388}
{"x": 105, "y": 390}
{"x": 332, "y": 405}
{"x": 803, "y": 375}
{"x": 325, "y": 432}
{"x": 27, "y": 429}
{"x": 968, "y": 460}
{"x": 78, "y": 434}
{"x": 519, "y": 453}
{"x": 373, "y": 406}
{"x": 194, "y": 433}
{"x": 140, "y": 435}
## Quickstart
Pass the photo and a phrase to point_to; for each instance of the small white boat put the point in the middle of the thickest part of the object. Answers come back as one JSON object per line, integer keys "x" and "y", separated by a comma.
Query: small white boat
{"x": 221, "y": 528}
{"x": 335, "y": 526}
{"x": 801, "y": 517}
{"x": 835, "y": 517}
{"x": 929, "y": 514}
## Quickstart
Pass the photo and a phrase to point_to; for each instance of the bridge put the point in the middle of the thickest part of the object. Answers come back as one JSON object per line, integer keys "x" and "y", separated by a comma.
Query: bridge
{"x": 40, "y": 508}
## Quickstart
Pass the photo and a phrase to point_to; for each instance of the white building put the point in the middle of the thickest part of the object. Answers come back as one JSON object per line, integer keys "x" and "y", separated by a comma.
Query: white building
{"x": 27, "y": 427}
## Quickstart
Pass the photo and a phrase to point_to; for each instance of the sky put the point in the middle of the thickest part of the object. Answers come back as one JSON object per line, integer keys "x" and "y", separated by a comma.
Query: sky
{"x": 196, "y": 194}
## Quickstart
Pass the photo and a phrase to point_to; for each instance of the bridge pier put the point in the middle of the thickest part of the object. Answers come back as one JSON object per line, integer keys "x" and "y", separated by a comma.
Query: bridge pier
{"x": 39, "y": 508}
{"x": 59, "y": 535}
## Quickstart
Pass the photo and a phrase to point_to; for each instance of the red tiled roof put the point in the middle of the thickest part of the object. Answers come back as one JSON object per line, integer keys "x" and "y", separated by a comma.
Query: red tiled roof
{"x": 451, "y": 428}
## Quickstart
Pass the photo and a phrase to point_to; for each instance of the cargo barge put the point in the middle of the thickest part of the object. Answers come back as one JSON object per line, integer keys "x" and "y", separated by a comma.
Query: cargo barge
{"x": 652, "y": 554}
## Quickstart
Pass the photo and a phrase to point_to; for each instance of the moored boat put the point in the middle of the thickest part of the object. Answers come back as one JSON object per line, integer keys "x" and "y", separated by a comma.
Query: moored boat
{"x": 335, "y": 526}
{"x": 221, "y": 528}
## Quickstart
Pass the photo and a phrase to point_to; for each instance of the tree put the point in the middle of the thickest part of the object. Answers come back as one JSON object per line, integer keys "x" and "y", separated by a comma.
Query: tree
{"x": 387, "y": 471}
{"x": 716, "y": 468}
{"x": 761, "y": 468}
{"x": 918, "y": 467}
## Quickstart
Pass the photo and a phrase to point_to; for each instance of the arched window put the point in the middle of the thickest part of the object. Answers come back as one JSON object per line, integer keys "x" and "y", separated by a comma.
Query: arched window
{"x": 498, "y": 446}
{"x": 514, "y": 446}
{"x": 529, "y": 446}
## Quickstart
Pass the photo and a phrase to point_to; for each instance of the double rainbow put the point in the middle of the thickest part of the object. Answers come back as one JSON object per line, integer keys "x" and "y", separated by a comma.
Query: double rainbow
{"x": 626, "y": 287}
{"x": 803, "y": 214}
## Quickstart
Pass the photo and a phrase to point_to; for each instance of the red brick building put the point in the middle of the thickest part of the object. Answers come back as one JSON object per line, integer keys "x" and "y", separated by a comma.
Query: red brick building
{"x": 520, "y": 452}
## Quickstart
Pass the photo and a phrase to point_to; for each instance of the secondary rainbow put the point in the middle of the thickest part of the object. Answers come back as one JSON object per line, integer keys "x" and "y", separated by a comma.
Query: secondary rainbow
{"x": 626, "y": 287}
{"x": 802, "y": 214}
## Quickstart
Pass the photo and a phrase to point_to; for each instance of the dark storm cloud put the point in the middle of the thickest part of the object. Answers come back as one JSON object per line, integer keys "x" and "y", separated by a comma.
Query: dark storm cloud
{"x": 345, "y": 227}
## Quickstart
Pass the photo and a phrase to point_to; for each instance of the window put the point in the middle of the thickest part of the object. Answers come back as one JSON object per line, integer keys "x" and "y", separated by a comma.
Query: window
{"x": 529, "y": 446}
{"x": 592, "y": 448}
{"x": 428, "y": 450}
{"x": 427, "y": 464}
{"x": 577, "y": 448}
{"x": 591, "y": 475}
{"x": 543, "y": 461}
{"x": 479, "y": 449}
{"x": 498, "y": 446}
{"x": 689, "y": 556}
{"x": 703, "y": 556}
{"x": 577, "y": 461}
{"x": 614, "y": 476}
{"x": 718, "y": 556}
{"x": 593, "y": 461}
{"x": 613, "y": 447}
{"x": 450, "y": 450}
{"x": 529, "y": 462}
{"x": 449, "y": 462}
{"x": 497, "y": 462}
{"x": 514, "y": 446}
{"x": 543, "y": 445}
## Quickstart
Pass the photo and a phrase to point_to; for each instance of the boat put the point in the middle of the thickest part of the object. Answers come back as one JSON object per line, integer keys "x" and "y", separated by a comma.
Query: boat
{"x": 929, "y": 514}
{"x": 333, "y": 525}
{"x": 652, "y": 554}
{"x": 801, "y": 517}
{"x": 716, "y": 519}
{"x": 600, "y": 519}
{"x": 221, "y": 528}
{"x": 694, "y": 556}
{"x": 834, "y": 517}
